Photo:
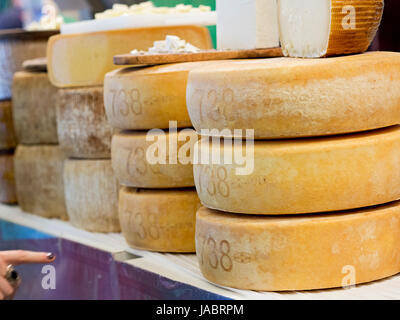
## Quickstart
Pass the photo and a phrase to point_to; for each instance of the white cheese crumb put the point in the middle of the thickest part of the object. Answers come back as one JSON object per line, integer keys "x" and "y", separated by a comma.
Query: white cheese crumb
{"x": 171, "y": 44}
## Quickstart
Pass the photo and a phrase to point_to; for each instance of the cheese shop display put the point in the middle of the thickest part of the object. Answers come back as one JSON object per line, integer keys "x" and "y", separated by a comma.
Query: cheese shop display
{"x": 157, "y": 159}
{"x": 7, "y": 181}
{"x": 317, "y": 28}
{"x": 91, "y": 193}
{"x": 83, "y": 129}
{"x": 146, "y": 98}
{"x": 34, "y": 108}
{"x": 39, "y": 180}
{"x": 287, "y": 97}
{"x": 159, "y": 220}
{"x": 83, "y": 59}
{"x": 16, "y": 46}
{"x": 281, "y": 253}
{"x": 304, "y": 175}
{"x": 7, "y": 135}
{"x": 247, "y": 24}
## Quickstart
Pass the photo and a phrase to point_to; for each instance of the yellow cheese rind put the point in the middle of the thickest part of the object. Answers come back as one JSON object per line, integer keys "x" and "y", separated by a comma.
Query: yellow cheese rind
{"x": 159, "y": 220}
{"x": 306, "y": 175}
{"x": 84, "y": 59}
{"x": 288, "y": 97}
{"x": 39, "y": 180}
{"x": 34, "y": 108}
{"x": 298, "y": 253}
{"x": 91, "y": 193}
{"x": 131, "y": 166}
{"x": 83, "y": 129}
{"x": 367, "y": 20}
{"x": 7, "y": 135}
{"x": 7, "y": 180}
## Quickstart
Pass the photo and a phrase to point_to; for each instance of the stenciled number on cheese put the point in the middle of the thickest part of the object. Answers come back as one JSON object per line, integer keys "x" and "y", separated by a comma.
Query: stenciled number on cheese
{"x": 143, "y": 227}
{"x": 217, "y": 182}
{"x": 213, "y": 247}
{"x": 129, "y": 102}
{"x": 138, "y": 158}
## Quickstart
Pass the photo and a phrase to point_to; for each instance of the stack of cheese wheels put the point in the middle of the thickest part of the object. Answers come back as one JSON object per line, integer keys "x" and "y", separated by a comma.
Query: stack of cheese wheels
{"x": 327, "y": 146}
{"x": 39, "y": 160}
{"x": 151, "y": 155}
{"x": 77, "y": 65}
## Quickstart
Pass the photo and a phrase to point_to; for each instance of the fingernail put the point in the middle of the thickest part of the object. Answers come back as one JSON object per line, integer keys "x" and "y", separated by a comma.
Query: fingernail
{"x": 50, "y": 256}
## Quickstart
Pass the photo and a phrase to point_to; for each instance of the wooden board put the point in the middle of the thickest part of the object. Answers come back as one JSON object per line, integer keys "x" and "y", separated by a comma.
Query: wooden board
{"x": 20, "y": 34}
{"x": 35, "y": 65}
{"x": 153, "y": 59}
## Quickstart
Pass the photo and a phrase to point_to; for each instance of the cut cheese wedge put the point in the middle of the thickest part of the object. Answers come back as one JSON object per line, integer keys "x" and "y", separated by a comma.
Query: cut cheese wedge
{"x": 91, "y": 193}
{"x": 83, "y": 129}
{"x": 299, "y": 253}
{"x": 302, "y": 176}
{"x": 146, "y": 98}
{"x": 317, "y": 28}
{"x": 150, "y": 160}
{"x": 288, "y": 97}
{"x": 159, "y": 220}
{"x": 7, "y": 180}
{"x": 34, "y": 108}
{"x": 39, "y": 180}
{"x": 84, "y": 59}
{"x": 7, "y": 135}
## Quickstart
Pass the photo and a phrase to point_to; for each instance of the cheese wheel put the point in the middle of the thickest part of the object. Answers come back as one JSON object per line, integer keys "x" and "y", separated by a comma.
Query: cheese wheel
{"x": 83, "y": 129}
{"x": 7, "y": 135}
{"x": 288, "y": 97}
{"x": 91, "y": 193}
{"x": 84, "y": 59}
{"x": 306, "y": 252}
{"x": 159, "y": 220}
{"x": 316, "y": 28}
{"x": 7, "y": 182}
{"x": 303, "y": 176}
{"x": 139, "y": 161}
{"x": 15, "y": 48}
{"x": 39, "y": 180}
{"x": 34, "y": 108}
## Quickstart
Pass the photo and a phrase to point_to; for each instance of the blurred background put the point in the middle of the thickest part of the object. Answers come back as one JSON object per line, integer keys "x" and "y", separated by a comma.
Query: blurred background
{"x": 19, "y": 13}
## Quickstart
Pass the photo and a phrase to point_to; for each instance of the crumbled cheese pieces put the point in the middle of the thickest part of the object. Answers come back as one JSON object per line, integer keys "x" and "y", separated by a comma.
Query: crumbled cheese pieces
{"x": 171, "y": 44}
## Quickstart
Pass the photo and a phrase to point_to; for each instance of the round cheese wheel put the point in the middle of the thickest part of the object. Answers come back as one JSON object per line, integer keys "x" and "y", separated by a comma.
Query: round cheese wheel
{"x": 7, "y": 181}
{"x": 83, "y": 130}
{"x": 7, "y": 135}
{"x": 288, "y": 97}
{"x": 39, "y": 180}
{"x": 83, "y": 59}
{"x": 316, "y": 28}
{"x": 304, "y": 175}
{"x": 139, "y": 159}
{"x": 159, "y": 220}
{"x": 34, "y": 108}
{"x": 271, "y": 253}
{"x": 146, "y": 98}
{"x": 91, "y": 193}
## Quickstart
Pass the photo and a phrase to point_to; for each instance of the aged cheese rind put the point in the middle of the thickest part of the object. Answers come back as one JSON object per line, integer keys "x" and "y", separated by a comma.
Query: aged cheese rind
{"x": 84, "y": 59}
{"x": 307, "y": 252}
{"x": 34, "y": 108}
{"x": 91, "y": 193}
{"x": 13, "y": 52}
{"x": 7, "y": 134}
{"x": 39, "y": 180}
{"x": 316, "y": 28}
{"x": 83, "y": 129}
{"x": 288, "y": 97}
{"x": 147, "y": 98}
{"x": 132, "y": 166}
{"x": 305, "y": 175}
{"x": 159, "y": 220}
{"x": 7, "y": 181}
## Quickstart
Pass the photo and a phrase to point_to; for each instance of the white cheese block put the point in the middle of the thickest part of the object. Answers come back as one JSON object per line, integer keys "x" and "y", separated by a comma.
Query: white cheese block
{"x": 303, "y": 175}
{"x": 247, "y": 24}
{"x": 39, "y": 180}
{"x": 91, "y": 193}
{"x": 159, "y": 220}
{"x": 299, "y": 253}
